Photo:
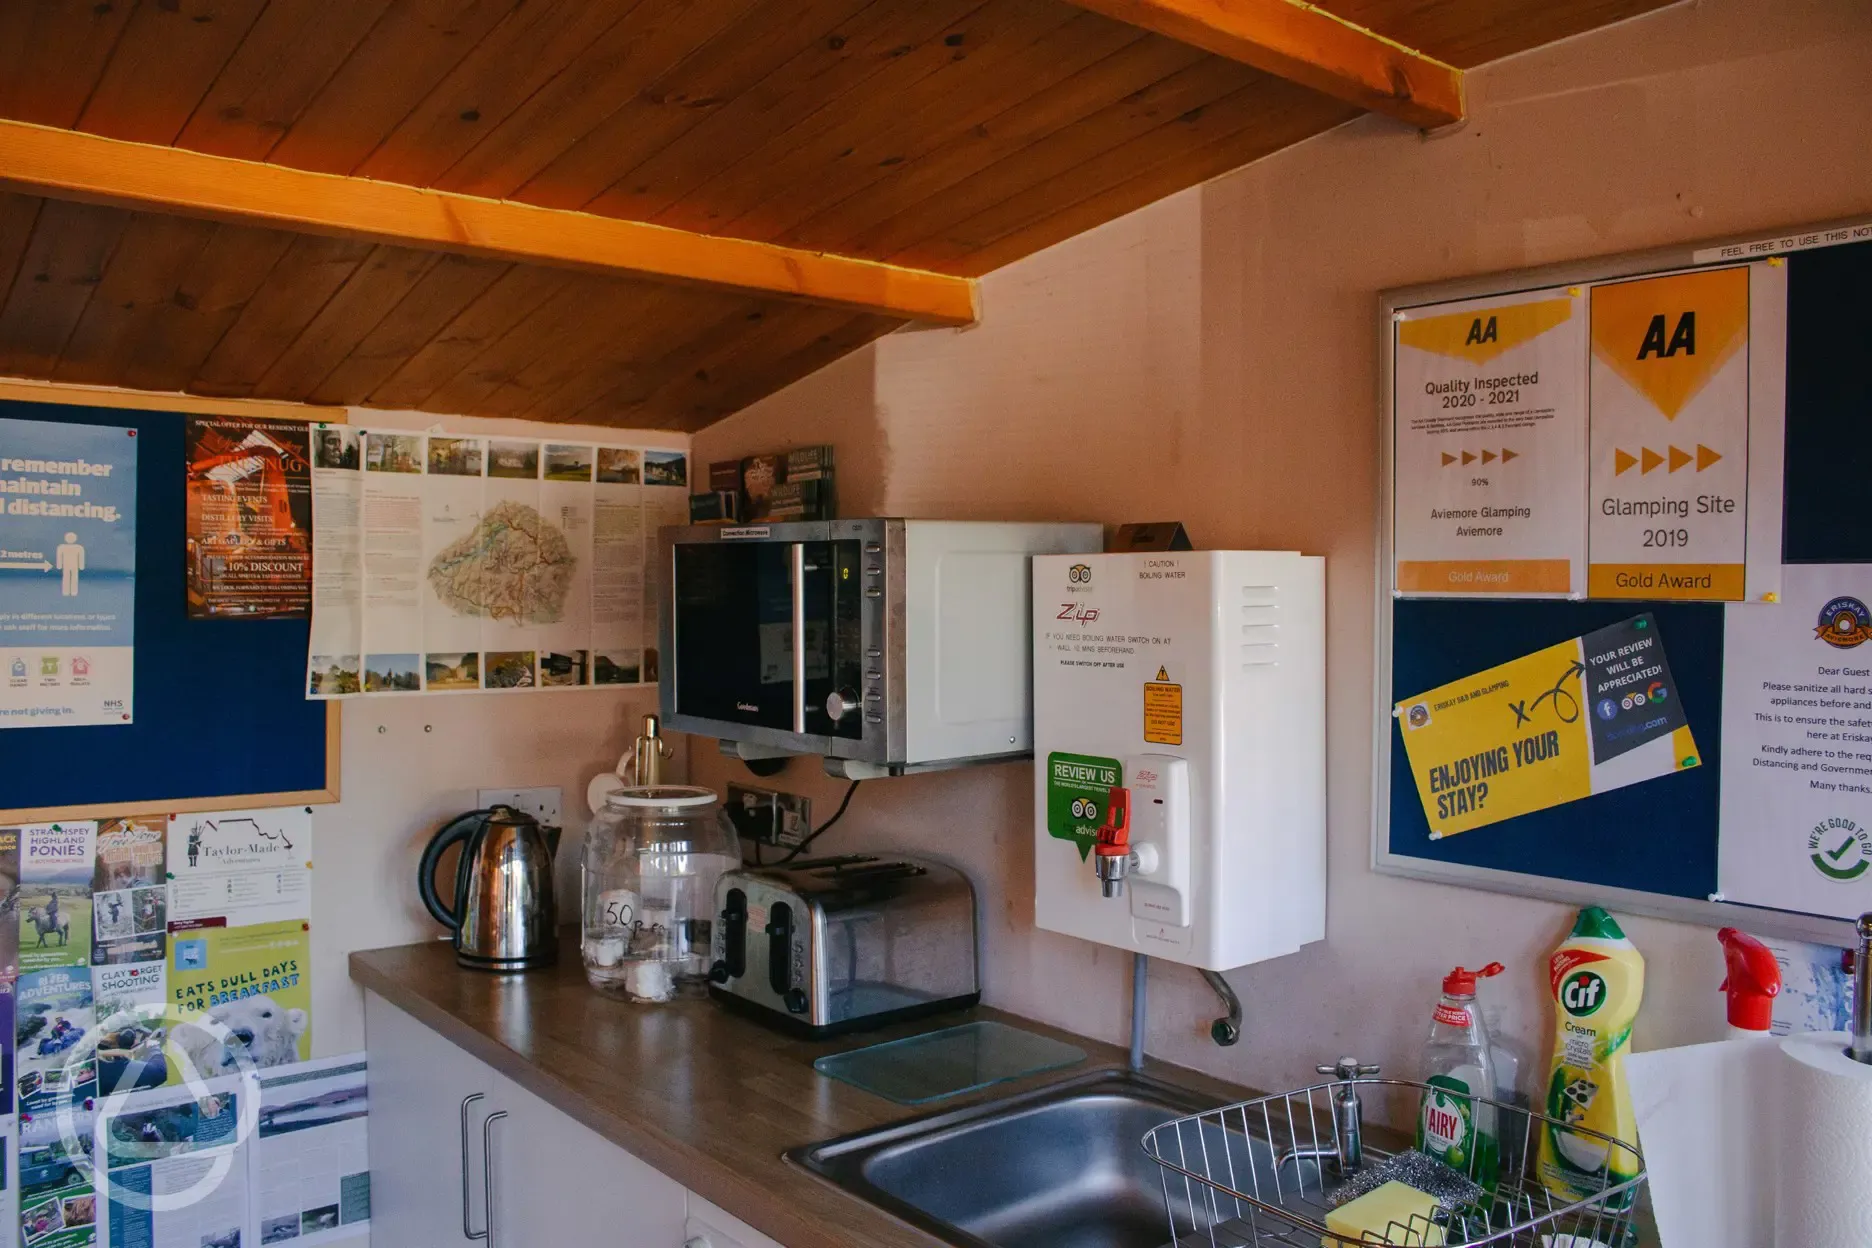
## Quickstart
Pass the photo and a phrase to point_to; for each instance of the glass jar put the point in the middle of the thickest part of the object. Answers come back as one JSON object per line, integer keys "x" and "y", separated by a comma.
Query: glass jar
{"x": 652, "y": 858}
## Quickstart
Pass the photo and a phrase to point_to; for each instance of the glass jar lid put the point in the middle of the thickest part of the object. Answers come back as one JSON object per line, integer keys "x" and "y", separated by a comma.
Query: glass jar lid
{"x": 660, "y": 797}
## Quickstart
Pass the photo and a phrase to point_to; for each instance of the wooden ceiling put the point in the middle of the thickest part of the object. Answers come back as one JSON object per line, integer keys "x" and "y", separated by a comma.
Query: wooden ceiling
{"x": 944, "y": 136}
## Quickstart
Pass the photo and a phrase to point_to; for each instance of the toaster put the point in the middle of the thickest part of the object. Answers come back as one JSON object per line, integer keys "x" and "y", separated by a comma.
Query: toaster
{"x": 830, "y": 945}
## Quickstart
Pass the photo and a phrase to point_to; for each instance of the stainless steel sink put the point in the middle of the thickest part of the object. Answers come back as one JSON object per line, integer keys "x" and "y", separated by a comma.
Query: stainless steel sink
{"x": 1058, "y": 1167}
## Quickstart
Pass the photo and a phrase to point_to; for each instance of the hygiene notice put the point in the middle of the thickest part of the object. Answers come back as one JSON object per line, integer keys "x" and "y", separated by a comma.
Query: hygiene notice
{"x": 1585, "y": 716}
{"x": 1797, "y": 757}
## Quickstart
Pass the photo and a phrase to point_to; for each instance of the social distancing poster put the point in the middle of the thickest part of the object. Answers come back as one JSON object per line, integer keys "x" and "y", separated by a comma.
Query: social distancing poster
{"x": 1491, "y": 446}
{"x": 1584, "y": 716}
{"x": 1670, "y": 437}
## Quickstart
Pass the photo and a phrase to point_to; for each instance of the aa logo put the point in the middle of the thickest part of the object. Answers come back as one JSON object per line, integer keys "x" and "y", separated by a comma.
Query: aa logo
{"x": 1583, "y": 993}
{"x": 1479, "y": 337}
{"x": 1667, "y": 336}
{"x": 1839, "y": 849}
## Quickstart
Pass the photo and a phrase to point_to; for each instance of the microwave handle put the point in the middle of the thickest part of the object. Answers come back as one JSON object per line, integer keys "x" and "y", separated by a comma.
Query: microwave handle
{"x": 796, "y": 575}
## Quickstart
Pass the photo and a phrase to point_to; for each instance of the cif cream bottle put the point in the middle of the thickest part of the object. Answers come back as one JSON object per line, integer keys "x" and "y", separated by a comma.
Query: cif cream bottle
{"x": 1597, "y": 978}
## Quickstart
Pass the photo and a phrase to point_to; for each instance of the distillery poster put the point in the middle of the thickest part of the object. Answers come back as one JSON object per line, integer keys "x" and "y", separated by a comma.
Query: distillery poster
{"x": 249, "y": 518}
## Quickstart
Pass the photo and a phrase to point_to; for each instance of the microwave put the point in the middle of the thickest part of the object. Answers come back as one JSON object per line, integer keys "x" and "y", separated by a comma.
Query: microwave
{"x": 902, "y": 644}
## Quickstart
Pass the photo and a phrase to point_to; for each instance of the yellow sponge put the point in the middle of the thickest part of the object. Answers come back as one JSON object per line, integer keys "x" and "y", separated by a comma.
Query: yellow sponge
{"x": 1395, "y": 1213}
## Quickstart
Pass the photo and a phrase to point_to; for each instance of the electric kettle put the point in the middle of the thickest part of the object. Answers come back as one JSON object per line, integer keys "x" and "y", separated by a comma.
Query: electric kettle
{"x": 503, "y": 915}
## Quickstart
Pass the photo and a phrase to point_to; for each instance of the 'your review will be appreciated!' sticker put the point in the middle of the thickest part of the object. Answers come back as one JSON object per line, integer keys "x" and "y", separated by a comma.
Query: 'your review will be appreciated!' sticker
{"x": 1588, "y": 715}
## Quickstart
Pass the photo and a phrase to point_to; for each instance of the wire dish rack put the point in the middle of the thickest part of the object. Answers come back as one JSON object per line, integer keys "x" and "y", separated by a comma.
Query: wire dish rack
{"x": 1263, "y": 1172}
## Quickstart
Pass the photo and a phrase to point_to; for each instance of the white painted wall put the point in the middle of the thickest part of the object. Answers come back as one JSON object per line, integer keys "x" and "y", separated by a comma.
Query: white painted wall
{"x": 411, "y": 763}
{"x": 1213, "y": 358}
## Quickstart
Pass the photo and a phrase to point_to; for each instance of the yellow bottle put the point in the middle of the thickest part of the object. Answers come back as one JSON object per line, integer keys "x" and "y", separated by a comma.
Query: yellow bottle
{"x": 1597, "y": 977}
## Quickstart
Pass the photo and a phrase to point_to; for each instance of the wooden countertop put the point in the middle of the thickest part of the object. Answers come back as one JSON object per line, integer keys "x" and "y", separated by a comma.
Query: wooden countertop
{"x": 707, "y": 1097}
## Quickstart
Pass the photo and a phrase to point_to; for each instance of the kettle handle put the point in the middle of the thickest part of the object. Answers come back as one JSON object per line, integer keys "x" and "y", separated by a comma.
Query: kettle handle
{"x": 459, "y": 828}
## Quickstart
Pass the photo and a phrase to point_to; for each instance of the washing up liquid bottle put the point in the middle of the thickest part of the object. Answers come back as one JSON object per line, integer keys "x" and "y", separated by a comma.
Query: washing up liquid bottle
{"x": 1597, "y": 978}
{"x": 1454, "y": 1126}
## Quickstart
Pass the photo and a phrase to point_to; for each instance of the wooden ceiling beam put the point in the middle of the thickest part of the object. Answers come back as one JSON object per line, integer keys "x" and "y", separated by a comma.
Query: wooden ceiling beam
{"x": 1303, "y": 43}
{"x": 69, "y": 164}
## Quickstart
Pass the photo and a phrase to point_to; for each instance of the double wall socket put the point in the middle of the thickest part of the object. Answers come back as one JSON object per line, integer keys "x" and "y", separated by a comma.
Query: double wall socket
{"x": 541, "y": 803}
{"x": 769, "y": 818}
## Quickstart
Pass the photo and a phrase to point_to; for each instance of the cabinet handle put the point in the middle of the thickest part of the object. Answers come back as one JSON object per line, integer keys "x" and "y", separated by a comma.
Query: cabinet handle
{"x": 487, "y": 1171}
{"x": 467, "y": 1231}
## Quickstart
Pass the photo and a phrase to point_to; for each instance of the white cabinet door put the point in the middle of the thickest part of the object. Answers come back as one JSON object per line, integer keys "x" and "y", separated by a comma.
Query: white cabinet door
{"x": 556, "y": 1182}
{"x": 418, "y": 1081}
{"x": 712, "y": 1227}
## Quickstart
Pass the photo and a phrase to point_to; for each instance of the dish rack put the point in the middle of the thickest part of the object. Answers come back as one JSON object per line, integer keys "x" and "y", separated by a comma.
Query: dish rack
{"x": 1261, "y": 1173}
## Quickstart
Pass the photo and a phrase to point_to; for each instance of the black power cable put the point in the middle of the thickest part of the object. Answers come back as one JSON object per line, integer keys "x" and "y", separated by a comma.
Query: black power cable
{"x": 822, "y": 829}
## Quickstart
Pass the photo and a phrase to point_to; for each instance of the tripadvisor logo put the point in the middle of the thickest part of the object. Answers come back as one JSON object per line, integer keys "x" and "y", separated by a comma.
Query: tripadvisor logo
{"x": 1839, "y": 849}
{"x": 1583, "y": 993}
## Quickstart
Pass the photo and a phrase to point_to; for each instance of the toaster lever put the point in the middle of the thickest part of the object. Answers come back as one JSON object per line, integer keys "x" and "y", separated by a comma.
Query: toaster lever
{"x": 734, "y": 939}
{"x": 780, "y": 948}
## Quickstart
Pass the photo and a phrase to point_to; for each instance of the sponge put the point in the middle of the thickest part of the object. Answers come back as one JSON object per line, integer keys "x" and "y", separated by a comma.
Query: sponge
{"x": 1396, "y": 1214}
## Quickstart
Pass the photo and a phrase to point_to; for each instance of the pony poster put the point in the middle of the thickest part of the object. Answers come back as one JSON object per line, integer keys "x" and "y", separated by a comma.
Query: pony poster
{"x": 56, "y": 862}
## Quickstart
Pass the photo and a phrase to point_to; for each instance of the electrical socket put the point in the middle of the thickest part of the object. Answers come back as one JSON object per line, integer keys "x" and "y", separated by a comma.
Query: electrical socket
{"x": 542, "y": 803}
{"x": 769, "y": 818}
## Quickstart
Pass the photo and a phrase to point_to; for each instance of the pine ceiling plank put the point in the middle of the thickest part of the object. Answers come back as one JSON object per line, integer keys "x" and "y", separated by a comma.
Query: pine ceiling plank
{"x": 946, "y": 64}
{"x": 367, "y": 296}
{"x": 708, "y": 368}
{"x": 643, "y": 323}
{"x": 311, "y": 272}
{"x": 502, "y": 360}
{"x": 65, "y": 259}
{"x": 928, "y": 179}
{"x": 166, "y": 179}
{"x": 18, "y": 215}
{"x": 442, "y": 294}
{"x": 615, "y": 69}
{"x": 693, "y": 402}
{"x": 510, "y": 300}
{"x": 716, "y": 76}
{"x": 52, "y": 53}
{"x": 416, "y": 45}
{"x": 1140, "y": 121}
{"x": 165, "y": 61}
{"x": 1308, "y": 45}
{"x": 291, "y": 52}
{"x": 204, "y": 305}
{"x": 873, "y": 43}
{"x": 517, "y": 58}
{"x": 1265, "y": 117}
{"x": 155, "y": 253}
{"x": 953, "y": 108}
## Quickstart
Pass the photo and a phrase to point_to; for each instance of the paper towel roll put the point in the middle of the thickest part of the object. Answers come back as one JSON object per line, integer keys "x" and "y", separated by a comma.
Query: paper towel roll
{"x": 1823, "y": 1158}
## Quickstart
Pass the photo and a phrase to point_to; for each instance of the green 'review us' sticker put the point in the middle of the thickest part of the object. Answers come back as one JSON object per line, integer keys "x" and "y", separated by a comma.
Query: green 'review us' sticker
{"x": 1078, "y": 791}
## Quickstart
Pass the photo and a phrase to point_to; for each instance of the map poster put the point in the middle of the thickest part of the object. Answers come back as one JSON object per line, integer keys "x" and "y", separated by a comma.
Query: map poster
{"x": 129, "y": 891}
{"x": 1585, "y": 716}
{"x": 231, "y": 868}
{"x": 67, "y": 573}
{"x": 336, "y": 652}
{"x": 666, "y": 502}
{"x": 460, "y": 563}
{"x": 55, "y": 894}
{"x": 1490, "y": 449}
{"x": 1796, "y": 794}
{"x": 249, "y": 517}
{"x": 1682, "y": 401}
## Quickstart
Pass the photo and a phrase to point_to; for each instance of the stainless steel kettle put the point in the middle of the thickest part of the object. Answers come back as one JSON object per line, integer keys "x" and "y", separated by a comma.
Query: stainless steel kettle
{"x": 503, "y": 915}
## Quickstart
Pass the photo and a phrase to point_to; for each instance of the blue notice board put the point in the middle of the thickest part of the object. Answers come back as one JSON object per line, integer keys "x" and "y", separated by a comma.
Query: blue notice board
{"x": 1657, "y": 839}
{"x": 220, "y": 712}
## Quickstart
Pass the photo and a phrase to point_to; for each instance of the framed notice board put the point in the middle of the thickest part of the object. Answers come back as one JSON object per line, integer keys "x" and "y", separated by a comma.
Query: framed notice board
{"x": 1650, "y": 847}
{"x": 220, "y": 716}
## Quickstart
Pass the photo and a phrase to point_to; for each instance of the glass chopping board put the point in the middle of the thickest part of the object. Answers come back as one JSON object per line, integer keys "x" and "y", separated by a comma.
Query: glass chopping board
{"x": 926, "y": 1068}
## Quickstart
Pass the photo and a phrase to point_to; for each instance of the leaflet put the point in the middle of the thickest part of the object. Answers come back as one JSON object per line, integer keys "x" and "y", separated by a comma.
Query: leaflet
{"x": 237, "y": 867}
{"x": 1796, "y": 796}
{"x": 58, "y": 1207}
{"x": 53, "y": 1035}
{"x": 129, "y": 892}
{"x": 311, "y": 1156}
{"x": 1490, "y": 450}
{"x": 239, "y": 998}
{"x": 486, "y": 563}
{"x": 337, "y": 641}
{"x": 249, "y": 517}
{"x": 55, "y": 894}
